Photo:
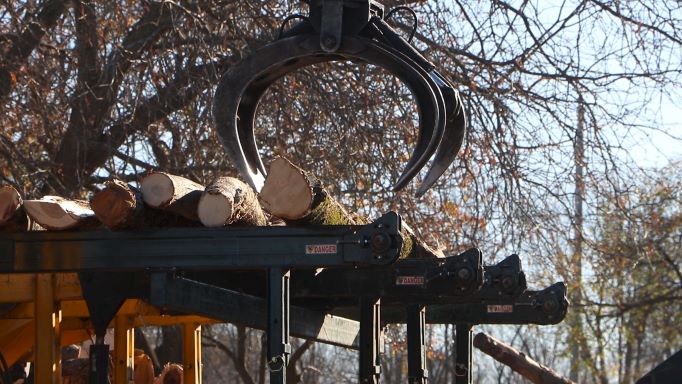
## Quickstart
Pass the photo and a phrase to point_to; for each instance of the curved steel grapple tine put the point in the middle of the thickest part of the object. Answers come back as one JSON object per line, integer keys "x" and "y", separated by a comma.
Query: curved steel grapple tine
{"x": 429, "y": 136}
{"x": 455, "y": 129}
{"x": 240, "y": 146}
{"x": 241, "y": 87}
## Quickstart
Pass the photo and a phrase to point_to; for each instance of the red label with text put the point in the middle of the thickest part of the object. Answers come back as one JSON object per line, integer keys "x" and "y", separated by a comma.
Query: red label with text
{"x": 320, "y": 249}
{"x": 500, "y": 308}
{"x": 409, "y": 280}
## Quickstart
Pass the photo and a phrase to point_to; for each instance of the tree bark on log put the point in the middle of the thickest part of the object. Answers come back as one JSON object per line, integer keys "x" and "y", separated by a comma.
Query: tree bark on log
{"x": 414, "y": 247}
{"x": 121, "y": 206}
{"x": 172, "y": 193}
{"x": 229, "y": 201}
{"x": 118, "y": 206}
{"x": 13, "y": 217}
{"x": 518, "y": 361}
{"x": 299, "y": 198}
{"x": 57, "y": 213}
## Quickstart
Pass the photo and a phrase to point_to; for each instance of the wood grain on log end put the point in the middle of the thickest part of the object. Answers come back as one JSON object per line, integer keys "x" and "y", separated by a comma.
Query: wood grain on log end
{"x": 173, "y": 193}
{"x": 214, "y": 210}
{"x": 160, "y": 189}
{"x": 298, "y": 197}
{"x": 58, "y": 213}
{"x": 229, "y": 201}
{"x": 115, "y": 204}
{"x": 157, "y": 189}
{"x": 286, "y": 193}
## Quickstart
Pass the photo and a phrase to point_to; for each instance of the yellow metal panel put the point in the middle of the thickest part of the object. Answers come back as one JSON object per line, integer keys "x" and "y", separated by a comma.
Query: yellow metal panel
{"x": 75, "y": 336}
{"x": 138, "y": 308}
{"x": 74, "y": 308}
{"x": 21, "y": 311}
{"x": 20, "y": 288}
{"x": 123, "y": 354}
{"x": 45, "y": 339}
{"x": 9, "y": 326}
{"x": 16, "y": 344}
{"x": 131, "y": 350}
{"x": 172, "y": 320}
{"x": 17, "y": 288}
{"x": 68, "y": 286}
{"x": 191, "y": 344}
{"x": 77, "y": 323}
{"x": 57, "y": 345}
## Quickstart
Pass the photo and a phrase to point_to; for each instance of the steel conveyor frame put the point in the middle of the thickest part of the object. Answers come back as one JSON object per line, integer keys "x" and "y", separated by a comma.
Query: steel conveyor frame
{"x": 175, "y": 269}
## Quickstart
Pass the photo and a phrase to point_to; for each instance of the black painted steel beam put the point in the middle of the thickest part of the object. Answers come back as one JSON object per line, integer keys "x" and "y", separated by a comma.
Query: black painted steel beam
{"x": 417, "y": 372}
{"x": 463, "y": 354}
{"x": 543, "y": 307}
{"x": 370, "y": 340}
{"x": 201, "y": 248}
{"x": 187, "y": 296}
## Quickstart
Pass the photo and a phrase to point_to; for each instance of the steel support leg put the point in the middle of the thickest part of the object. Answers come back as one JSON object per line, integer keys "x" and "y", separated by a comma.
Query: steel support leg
{"x": 417, "y": 372}
{"x": 99, "y": 361}
{"x": 278, "y": 324}
{"x": 370, "y": 340}
{"x": 463, "y": 348}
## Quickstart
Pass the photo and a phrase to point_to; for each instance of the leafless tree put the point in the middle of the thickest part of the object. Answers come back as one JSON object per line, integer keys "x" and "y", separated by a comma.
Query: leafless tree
{"x": 95, "y": 89}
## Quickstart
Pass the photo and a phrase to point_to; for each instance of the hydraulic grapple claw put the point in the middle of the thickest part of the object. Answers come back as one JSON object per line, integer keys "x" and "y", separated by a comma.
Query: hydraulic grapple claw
{"x": 339, "y": 31}
{"x": 453, "y": 137}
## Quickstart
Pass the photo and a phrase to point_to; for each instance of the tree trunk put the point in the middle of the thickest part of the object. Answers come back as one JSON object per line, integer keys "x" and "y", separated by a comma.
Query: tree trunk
{"x": 120, "y": 206}
{"x": 169, "y": 350}
{"x": 12, "y": 214}
{"x": 172, "y": 193}
{"x": 58, "y": 213}
{"x": 298, "y": 197}
{"x": 518, "y": 361}
{"x": 294, "y": 374}
{"x": 229, "y": 201}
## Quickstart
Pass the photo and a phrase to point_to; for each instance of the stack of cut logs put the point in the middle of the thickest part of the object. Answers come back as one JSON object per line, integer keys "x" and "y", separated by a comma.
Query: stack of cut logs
{"x": 290, "y": 196}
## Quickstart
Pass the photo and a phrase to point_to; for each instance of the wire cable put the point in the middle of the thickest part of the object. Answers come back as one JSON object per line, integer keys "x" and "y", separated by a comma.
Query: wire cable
{"x": 411, "y": 12}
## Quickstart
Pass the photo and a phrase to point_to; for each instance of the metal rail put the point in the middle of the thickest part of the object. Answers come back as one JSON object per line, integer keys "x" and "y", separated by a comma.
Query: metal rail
{"x": 378, "y": 243}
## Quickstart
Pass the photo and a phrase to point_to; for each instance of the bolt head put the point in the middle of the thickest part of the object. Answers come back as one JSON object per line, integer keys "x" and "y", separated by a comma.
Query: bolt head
{"x": 507, "y": 282}
{"x": 328, "y": 42}
{"x": 464, "y": 274}
{"x": 550, "y": 306}
{"x": 380, "y": 242}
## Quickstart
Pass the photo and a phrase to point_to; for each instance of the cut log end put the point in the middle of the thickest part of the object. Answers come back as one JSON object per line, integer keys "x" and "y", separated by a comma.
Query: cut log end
{"x": 114, "y": 205}
{"x": 228, "y": 201}
{"x": 215, "y": 210}
{"x": 57, "y": 213}
{"x": 10, "y": 202}
{"x": 157, "y": 189}
{"x": 287, "y": 192}
{"x": 172, "y": 193}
